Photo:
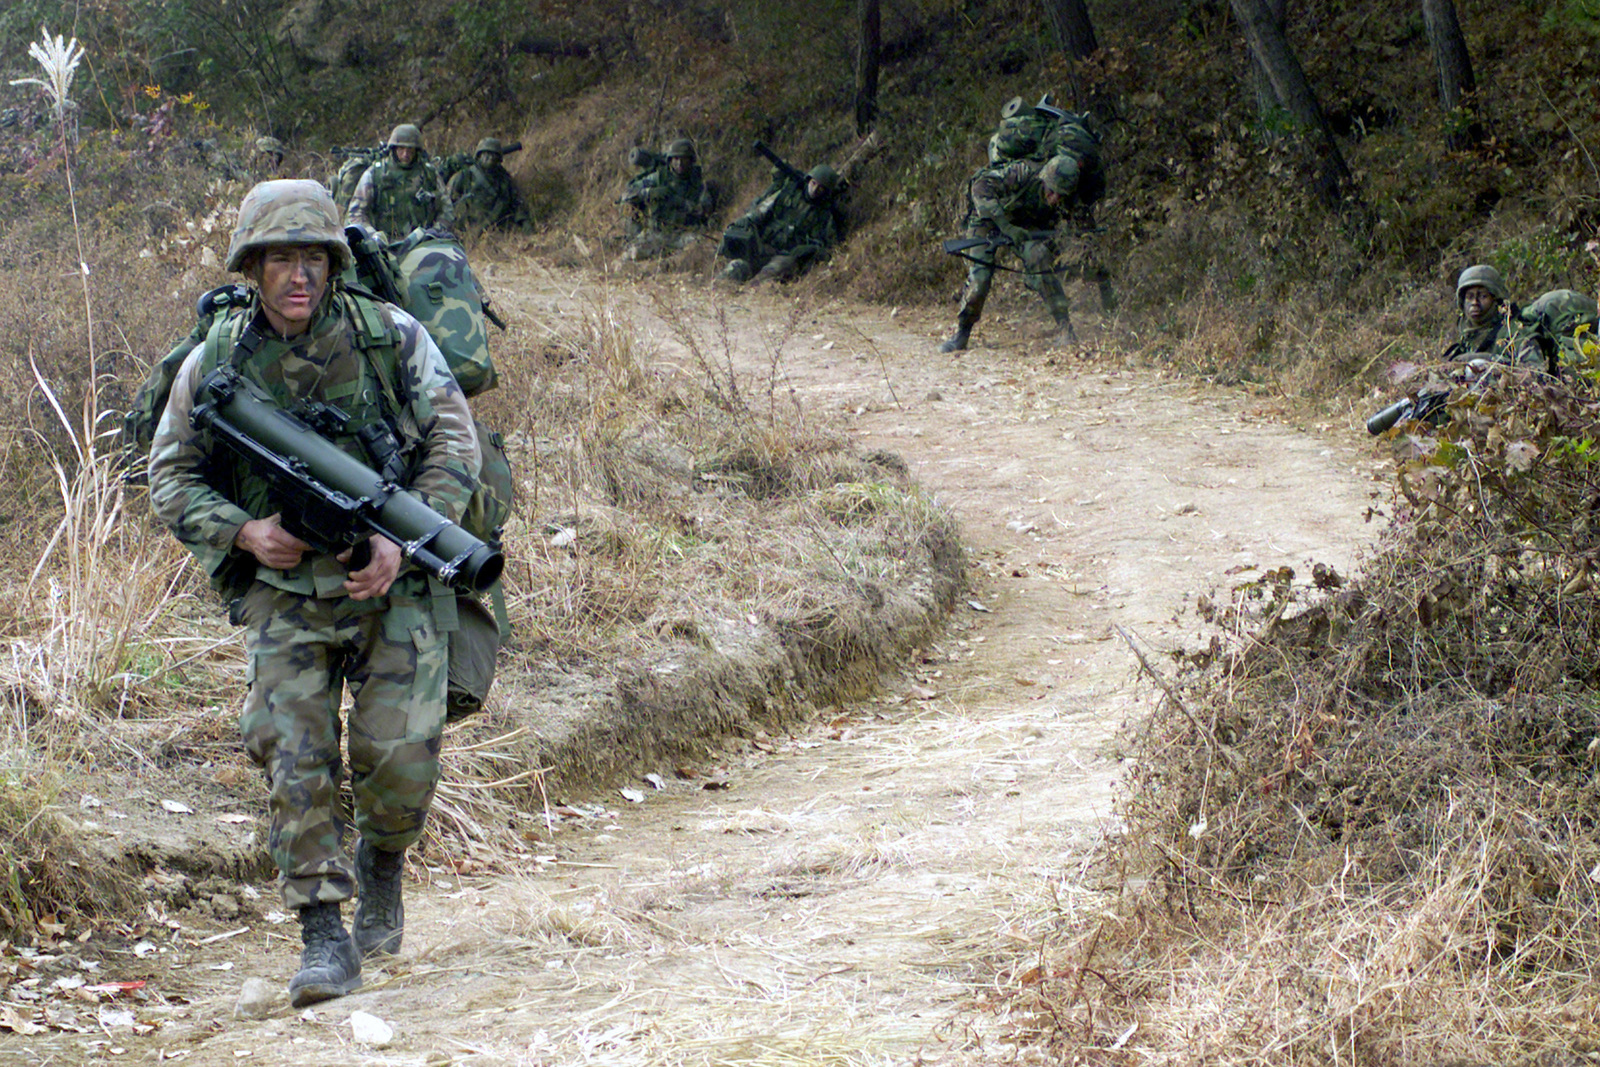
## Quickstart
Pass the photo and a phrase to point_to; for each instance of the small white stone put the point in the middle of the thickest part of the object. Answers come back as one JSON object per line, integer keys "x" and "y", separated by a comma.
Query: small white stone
{"x": 255, "y": 999}
{"x": 369, "y": 1030}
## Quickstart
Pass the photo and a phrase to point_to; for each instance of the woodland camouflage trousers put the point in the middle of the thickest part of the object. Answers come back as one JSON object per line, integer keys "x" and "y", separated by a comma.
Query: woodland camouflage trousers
{"x": 302, "y": 653}
{"x": 1037, "y": 258}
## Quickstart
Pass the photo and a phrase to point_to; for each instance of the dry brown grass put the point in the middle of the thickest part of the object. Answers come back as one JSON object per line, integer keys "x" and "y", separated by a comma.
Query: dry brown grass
{"x": 1360, "y": 827}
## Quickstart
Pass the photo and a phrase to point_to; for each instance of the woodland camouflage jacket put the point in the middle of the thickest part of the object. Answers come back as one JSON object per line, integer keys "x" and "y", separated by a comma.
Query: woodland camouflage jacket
{"x": 786, "y": 220}
{"x": 205, "y": 499}
{"x": 395, "y": 200}
{"x": 1010, "y": 196}
{"x": 670, "y": 202}
{"x": 486, "y": 197}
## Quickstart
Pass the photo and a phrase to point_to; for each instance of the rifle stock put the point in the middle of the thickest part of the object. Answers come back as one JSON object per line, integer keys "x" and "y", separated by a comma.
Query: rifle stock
{"x": 371, "y": 268}
{"x": 328, "y": 498}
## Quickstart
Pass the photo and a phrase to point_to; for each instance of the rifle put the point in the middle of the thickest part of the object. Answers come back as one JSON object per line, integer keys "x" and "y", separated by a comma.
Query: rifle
{"x": 328, "y": 498}
{"x": 514, "y": 146}
{"x": 787, "y": 169}
{"x": 489, "y": 313}
{"x": 372, "y": 266}
{"x": 958, "y": 246}
{"x": 1427, "y": 406}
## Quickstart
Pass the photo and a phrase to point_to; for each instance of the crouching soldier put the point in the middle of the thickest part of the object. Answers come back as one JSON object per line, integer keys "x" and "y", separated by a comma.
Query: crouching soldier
{"x": 668, "y": 202}
{"x": 317, "y": 624}
{"x": 484, "y": 195}
{"x": 1016, "y": 205}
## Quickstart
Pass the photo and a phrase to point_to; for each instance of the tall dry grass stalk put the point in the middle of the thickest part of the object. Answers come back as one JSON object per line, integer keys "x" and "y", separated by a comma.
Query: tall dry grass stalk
{"x": 101, "y": 579}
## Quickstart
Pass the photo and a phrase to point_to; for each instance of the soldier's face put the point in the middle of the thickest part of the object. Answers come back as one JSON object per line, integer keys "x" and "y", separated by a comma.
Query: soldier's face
{"x": 679, "y": 165}
{"x": 1052, "y": 197}
{"x": 1478, "y": 305}
{"x": 814, "y": 189}
{"x": 292, "y": 280}
{"x": 404, "y": 154}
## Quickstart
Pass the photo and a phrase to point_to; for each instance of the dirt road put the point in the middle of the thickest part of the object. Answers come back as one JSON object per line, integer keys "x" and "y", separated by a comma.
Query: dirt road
{"x": 853, "y": 895}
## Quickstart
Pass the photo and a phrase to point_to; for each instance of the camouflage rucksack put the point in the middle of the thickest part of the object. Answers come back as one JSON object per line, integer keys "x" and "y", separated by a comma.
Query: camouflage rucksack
{"x": 144, "y": 412}
{"x": 355, "y": 164}
{"x": 453, "y": 164}
{"x": 1566, "y": 318}
{"x": 1073, "y": 135}
{"x": 427, "y": 273}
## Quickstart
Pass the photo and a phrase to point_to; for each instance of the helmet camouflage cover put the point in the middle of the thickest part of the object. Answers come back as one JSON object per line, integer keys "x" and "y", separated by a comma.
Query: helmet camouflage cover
{"x": 405, "y": 135}
{"x": 266, "y": 145}
{"x": 489, "y": 144}
{"x": 1484, "y": 275}
{"x": 1060, "y": 175}
{"x": 288, "y": 212}
{"x": 682, "y": 148}
{"x": 825, "y": 176}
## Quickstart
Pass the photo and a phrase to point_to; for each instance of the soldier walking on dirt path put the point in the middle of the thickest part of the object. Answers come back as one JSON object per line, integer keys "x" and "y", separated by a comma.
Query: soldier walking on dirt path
{"x": 312, "y": 625}
{"x": 402, "y": 191}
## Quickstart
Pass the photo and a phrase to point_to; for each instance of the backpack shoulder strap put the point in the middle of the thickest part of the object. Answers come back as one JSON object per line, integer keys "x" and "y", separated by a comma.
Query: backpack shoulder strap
{"x": 378, "y": 339}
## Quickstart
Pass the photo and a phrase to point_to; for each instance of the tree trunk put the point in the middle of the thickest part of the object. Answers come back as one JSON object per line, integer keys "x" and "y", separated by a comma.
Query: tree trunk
{"x": 1271, "y": 50}
{"x": 1069, "y": 19}
{"x": 1267, "y": 102}
{"x": 1456, "y": 85}
{"x": 869, "y": 52}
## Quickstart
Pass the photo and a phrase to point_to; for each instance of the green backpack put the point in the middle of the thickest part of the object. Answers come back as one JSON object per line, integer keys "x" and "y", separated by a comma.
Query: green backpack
{"x": 1564, "y": 316}
{"x": 139, "y": 422}
{"x": 356, "y": 163}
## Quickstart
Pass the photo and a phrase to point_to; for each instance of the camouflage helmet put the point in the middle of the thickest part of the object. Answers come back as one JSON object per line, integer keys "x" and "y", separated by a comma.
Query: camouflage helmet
{"x": 825, "y": 176}
{"x": 1484, "y": 275}
{"x": 288, "y": 212}
{"x": 405, "y": 135}
{"x": 489, "y": 144}
{"x": 682, "y": 148}
{"x": 1060, "y": 175}
{"x": 268, "y": 145}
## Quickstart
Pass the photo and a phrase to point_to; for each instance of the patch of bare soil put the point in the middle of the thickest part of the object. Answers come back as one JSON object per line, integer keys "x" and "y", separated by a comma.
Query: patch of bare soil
{"x": 857, "y": 891}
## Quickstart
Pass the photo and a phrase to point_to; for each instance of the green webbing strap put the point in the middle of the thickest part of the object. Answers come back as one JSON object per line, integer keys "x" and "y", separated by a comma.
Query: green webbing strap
{"x": 502, "y": 618}
{"x": 444, "y": 606}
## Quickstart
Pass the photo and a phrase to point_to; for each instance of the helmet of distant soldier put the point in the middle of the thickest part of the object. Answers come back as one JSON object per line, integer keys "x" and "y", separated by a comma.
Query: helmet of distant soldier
{"x": 1484, "y": 275}
{"x": 405, "y": 135}
{"x": 288, "y": 212}
{"x": 1011, "y": 108}
{"x": 682, "y": 148}
{"x": 825, "y": 176}
{"x": 269, "y": 145}
{"x": 491, "y": 145}
{"x": 1060, "y": 175}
